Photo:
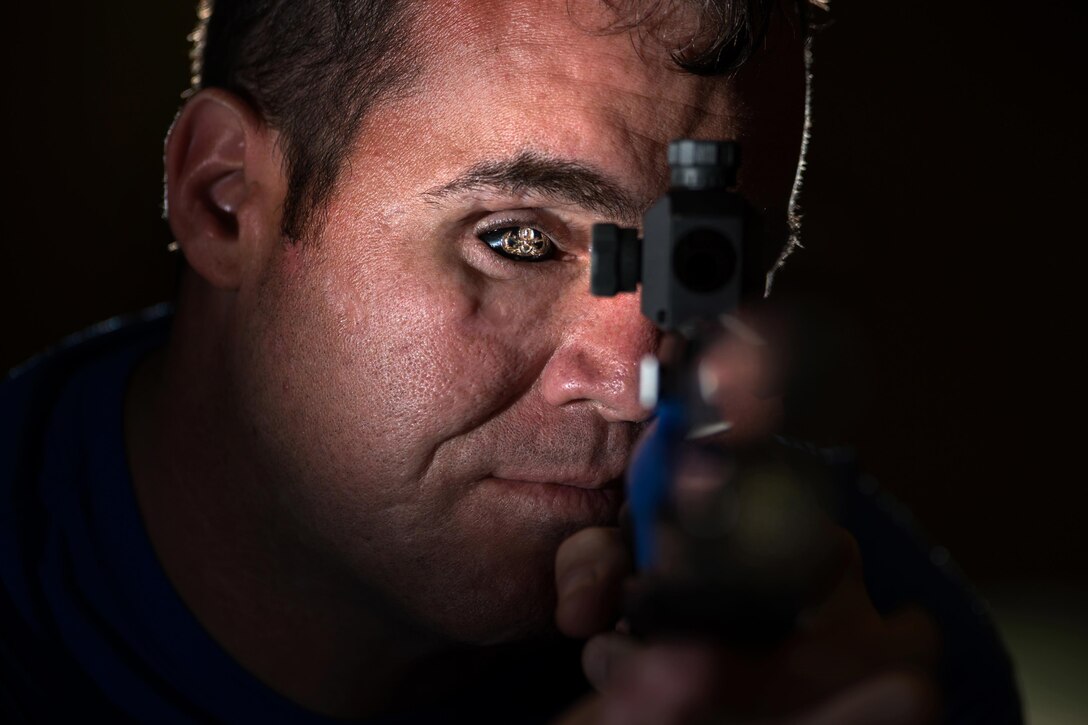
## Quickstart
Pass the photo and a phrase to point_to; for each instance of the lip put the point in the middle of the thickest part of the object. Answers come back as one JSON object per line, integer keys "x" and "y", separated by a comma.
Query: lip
{"x": 594, "y": 482}
{"x": 588, "y": 502}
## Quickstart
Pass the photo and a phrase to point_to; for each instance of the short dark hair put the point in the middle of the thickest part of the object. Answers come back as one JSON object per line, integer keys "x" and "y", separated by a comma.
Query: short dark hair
{"x": 725, "y": 36}
{"x": 313, "y": 68}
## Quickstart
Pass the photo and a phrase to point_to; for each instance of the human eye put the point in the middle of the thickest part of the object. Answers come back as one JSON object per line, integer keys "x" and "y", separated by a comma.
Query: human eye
{"x": 520, "y": 242}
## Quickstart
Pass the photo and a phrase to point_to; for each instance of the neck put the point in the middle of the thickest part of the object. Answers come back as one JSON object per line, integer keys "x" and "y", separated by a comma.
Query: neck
{"x": 259, "y": 592}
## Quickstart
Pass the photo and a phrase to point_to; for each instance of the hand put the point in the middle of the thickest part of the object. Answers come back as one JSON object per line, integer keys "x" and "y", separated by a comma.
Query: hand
{"x": 843, "y": 664}
{"x": 846, "y": 664}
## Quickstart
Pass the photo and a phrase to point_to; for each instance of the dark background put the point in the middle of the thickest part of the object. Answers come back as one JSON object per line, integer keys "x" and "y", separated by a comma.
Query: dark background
{"x": 944, "y": 235}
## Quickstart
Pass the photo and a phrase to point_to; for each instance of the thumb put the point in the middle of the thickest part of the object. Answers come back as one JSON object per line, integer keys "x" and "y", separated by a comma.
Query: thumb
{"x": 893, "y": 698}
{"x": 590, "y": 568}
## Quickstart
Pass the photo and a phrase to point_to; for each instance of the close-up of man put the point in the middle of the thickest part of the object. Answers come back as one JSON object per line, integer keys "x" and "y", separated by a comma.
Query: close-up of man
{"x": 370, "y": 463}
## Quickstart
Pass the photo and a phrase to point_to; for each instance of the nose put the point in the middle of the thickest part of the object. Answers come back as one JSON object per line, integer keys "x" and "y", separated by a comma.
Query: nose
{"x": 597, "y": 359}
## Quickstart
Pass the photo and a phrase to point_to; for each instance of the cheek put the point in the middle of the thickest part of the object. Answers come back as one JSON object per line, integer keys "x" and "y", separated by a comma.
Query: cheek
{"x": 414, "y": 351}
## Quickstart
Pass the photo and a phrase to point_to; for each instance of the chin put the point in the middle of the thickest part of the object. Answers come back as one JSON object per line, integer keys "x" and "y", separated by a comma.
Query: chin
{"x": 496, "y": 594}
{"x": 496, "y": 616}
{"x": 484, "y": 572}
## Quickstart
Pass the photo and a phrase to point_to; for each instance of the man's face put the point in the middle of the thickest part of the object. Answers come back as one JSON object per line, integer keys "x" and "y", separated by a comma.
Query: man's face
{"x": 436, "y": 417}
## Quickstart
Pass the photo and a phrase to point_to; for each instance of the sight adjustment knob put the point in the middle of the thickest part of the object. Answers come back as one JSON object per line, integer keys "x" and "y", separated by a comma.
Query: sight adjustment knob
{"x": 698, "y": 165}
{"x": 615, "y": 260}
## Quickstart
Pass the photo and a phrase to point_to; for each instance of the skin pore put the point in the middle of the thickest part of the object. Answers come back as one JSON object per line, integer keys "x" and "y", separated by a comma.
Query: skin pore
{"x": 364, "y": 446}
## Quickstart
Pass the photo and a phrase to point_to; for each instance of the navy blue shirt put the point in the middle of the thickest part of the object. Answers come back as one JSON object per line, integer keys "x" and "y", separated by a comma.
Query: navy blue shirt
{"x": 90, "y": 626}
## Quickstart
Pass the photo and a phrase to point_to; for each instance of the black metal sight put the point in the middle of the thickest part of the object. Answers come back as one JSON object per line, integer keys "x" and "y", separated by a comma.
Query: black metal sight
{"x": 691, "y": 259}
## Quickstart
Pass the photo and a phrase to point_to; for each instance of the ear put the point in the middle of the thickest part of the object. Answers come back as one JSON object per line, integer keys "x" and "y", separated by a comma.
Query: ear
{"x": 218, "y": 199}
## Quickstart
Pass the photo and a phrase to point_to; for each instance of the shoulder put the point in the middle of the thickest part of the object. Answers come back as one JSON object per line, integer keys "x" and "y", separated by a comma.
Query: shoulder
{"x": 29, "y": 391}
{"x": 52, "y": 411}
{"x": 52, "y": 405}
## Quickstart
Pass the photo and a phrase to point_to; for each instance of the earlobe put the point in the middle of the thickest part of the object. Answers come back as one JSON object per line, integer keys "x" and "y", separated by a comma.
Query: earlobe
{"x": 210, "y": 182}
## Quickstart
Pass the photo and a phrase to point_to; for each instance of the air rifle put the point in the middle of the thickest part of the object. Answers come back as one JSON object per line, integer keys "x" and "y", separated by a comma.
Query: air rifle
{"x": 729, "y": 543}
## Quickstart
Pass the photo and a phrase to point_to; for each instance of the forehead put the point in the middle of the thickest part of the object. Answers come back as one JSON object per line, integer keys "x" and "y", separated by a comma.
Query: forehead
{"x": 586, "y": 37}
{"x": 497, "y": 79}
{"x": 550, "y": 75}
{"x": 544, "y": 46}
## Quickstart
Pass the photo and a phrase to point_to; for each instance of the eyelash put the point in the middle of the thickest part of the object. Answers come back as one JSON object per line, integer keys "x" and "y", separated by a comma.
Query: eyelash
{"x": 492, "y": 235}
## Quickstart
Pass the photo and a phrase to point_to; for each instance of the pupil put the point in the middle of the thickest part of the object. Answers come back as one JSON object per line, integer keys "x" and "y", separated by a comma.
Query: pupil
{"x": 520, "y": 243}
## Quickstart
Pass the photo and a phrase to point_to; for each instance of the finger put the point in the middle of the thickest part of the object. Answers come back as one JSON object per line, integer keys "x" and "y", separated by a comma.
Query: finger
{"x": 739, "y": 376}
{"x": 913, "y": 637}
{"x": 843, "y": 639}
{"x": 842, "y": 636}
{"x": 842, "y": 599}
{"x": 606, "y": 654}
{"x": 895, "y": 698}
{"x": 662, "y": 685}
{"x": 590, "y": 568}
{"x": 586, "y": 711}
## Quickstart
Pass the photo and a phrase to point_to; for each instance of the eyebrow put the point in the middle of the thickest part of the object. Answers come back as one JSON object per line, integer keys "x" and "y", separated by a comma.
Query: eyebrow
{"x": 531, "y": 172}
